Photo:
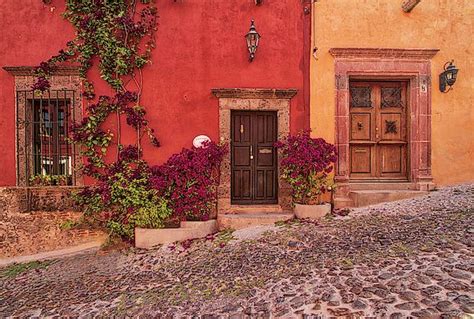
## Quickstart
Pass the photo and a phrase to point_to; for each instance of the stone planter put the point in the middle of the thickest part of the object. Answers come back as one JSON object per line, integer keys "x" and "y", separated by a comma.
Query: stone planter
{"x": 312, "y": 211}
{"x": 147, "y": 238}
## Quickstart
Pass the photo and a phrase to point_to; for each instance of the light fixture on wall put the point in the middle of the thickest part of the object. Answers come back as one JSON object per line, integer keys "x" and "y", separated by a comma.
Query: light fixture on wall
{"x": 253, "y": 38}
{"x": 448, "y": 77}
{"x": 258, "y": 2}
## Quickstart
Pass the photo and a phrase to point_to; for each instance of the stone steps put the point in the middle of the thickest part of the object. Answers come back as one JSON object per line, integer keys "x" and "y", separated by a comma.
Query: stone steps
{"x": 254, "y": 209}
{"x": 367, "y": 186}
{"x": 239, "y": 221}
{"x": 362, "y": 198}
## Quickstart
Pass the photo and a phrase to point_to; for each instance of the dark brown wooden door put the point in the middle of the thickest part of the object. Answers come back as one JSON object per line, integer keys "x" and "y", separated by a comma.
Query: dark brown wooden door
{"x": 254, "y": 158}
{"x": 378, "y": 130}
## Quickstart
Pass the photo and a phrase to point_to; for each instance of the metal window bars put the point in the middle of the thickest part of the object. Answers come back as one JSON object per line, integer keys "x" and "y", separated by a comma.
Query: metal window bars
{"x": 45, "y": 156}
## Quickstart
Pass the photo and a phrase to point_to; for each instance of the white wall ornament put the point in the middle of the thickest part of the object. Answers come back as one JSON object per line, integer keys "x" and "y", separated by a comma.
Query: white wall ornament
{"x": 200, "y": 139}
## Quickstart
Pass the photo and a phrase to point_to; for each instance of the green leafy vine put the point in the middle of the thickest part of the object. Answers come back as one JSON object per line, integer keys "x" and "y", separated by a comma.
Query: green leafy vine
{"x": 118, "y": 37}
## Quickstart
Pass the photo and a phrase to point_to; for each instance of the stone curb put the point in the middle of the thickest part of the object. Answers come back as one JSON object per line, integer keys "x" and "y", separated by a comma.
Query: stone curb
{"x": 61, "y": 253}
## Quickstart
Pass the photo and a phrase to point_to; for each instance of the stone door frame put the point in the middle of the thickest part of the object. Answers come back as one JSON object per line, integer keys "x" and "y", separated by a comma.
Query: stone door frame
{"x": 412, "y": 65}
{"x": 242, "y": 99}
{"x": 63, "y": 78}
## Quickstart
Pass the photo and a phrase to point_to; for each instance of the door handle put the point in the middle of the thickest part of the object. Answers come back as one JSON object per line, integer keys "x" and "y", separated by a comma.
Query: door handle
{"x": 251, "y": 152}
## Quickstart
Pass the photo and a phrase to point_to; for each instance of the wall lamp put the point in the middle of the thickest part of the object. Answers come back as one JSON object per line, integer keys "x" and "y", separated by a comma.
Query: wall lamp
{"x": 253, "y": 38}
{"x": 448, "y": 77}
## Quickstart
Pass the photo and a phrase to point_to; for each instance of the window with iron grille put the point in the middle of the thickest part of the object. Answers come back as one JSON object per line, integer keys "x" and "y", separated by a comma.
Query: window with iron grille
{"x": 45, "y": 155}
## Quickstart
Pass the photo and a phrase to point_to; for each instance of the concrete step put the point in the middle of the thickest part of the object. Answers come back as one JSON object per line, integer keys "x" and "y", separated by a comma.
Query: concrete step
{"x": 254, "y": 209}
{"x": 362, "y": 198}
{"x": 366, "y": 186}
{"x": 239, "y": 221}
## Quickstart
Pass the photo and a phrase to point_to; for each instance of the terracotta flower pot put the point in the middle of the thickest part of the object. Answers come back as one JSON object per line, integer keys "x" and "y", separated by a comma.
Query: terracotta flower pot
{"x": 312, "y": 211}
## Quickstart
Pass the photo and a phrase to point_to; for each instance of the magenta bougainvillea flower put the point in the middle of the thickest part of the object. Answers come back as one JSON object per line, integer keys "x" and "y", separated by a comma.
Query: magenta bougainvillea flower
{"x": 306, "y": 163}
{"x": 189, "y": 181}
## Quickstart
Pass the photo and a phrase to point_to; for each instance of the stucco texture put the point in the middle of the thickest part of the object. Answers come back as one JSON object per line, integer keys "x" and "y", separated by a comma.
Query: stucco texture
{"x": 200, "y": 46}
{"x": 441, "y": 24}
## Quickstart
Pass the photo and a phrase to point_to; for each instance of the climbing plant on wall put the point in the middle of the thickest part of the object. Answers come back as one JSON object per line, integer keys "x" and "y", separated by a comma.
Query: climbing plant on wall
{"x": 117, "y": 37}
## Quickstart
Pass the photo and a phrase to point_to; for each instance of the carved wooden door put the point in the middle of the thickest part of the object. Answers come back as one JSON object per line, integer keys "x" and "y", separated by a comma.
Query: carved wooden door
{"x": 378, "y": 130}
{"x": 253, "y": 158}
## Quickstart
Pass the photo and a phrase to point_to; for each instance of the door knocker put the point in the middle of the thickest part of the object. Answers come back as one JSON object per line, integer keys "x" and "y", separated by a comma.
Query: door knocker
{"x": 360, "y": 126}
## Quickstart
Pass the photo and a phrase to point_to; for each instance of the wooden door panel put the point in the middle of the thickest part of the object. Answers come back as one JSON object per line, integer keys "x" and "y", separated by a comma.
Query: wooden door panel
{"x": 265, "y": 128}
{"x": 265, "y": 156}
{"x": 361, "y": 159}
{"x": 271, "y": 191}
{"x": 393, "y": 161}
{"x": 254, "y": 162}
{"x": 241, "y": 156}
{"x": 265, "y": 187}
{"x": 361, "y": 126}
{"x": 241, "y": 187}
{"x": 378, "y": 130}
{"x": 390, "y": 127}
{"x": 241, "y": 129}
{"x": 392, "y": 95}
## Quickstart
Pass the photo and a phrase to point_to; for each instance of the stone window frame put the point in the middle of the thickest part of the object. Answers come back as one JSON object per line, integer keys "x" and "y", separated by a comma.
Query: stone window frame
{"x": 278, "y": 100}
{"x": 63, "y": 78}
{"x": 412, "y": 65}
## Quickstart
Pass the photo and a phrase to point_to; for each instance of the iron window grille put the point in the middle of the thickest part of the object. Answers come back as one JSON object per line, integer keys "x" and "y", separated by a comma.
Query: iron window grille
{"x": 45, "y": 156}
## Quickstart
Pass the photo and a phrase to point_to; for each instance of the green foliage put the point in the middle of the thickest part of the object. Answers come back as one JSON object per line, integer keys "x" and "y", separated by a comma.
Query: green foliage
{"x": 224, "y": 237}
{"x": 306, "y": 163}
{"x": 49, "y": 180}
{"x": 117, "y": 35}
{"x": 152, "y": 214}
{"x": 17, "y": 269}
{"x": 124, "y": 198}
{"x": 110, "y": 31}
{"x": 68, "y": 224}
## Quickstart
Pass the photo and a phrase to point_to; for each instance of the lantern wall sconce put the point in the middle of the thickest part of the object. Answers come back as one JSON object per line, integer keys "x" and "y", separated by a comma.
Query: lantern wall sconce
{"x": 253, "y": 38}
{"x": 448, "y": 77}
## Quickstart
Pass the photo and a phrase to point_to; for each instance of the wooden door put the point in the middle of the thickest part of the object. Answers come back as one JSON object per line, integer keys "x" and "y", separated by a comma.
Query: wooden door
{"x": 378, "y": 130}
{"x": 253, "y": 158}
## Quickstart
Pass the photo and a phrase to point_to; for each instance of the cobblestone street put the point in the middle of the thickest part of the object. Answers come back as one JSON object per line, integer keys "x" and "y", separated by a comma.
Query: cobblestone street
{"x": 408, "y": 258}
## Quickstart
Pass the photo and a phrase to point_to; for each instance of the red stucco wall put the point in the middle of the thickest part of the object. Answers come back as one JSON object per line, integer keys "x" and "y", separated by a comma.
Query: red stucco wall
{"x": 200, "y": 45}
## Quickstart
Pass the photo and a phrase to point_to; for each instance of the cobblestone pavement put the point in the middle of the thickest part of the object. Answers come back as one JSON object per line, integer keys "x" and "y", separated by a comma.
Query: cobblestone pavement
{"x": 409, "y": 258}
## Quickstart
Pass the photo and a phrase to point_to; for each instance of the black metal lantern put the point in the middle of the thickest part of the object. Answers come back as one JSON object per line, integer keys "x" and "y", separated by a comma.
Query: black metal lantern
{"x": 448, "y": 77}
{"x": 253, "y": 38}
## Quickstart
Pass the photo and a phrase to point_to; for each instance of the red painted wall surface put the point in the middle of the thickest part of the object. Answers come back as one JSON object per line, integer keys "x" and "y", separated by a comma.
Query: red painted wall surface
{"x": 200, "y": 45}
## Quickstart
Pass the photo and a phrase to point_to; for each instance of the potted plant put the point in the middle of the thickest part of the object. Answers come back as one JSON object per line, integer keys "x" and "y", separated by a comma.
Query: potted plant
{"x": 36, "y": 180}
{"x": 62, "y": 180}
{"x": 306, "y": 164}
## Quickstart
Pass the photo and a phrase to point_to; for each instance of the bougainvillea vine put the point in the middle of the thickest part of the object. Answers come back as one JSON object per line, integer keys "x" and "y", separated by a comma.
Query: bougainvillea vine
{"x": 306, "y": 163}
{"x": 118, "y": 38}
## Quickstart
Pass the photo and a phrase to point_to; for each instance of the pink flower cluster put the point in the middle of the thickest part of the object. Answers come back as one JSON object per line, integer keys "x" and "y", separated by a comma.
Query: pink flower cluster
{"x": 306, "y": 163}
{"x": 189, "y": 181}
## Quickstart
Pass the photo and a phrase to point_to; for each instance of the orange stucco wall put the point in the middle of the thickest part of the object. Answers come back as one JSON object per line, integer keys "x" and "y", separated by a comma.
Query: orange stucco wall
{"x": 443, "y": 24}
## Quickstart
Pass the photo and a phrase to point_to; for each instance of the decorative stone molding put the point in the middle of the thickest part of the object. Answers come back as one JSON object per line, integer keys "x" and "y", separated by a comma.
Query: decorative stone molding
{"x": 382, "y": 53}
{"x": 28, "y": 70}
{"x": 255, "y": 93}
{"x": 61, "y": 80}
{"x": 412, "y": 65}
{"x": 251, "y": 100}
